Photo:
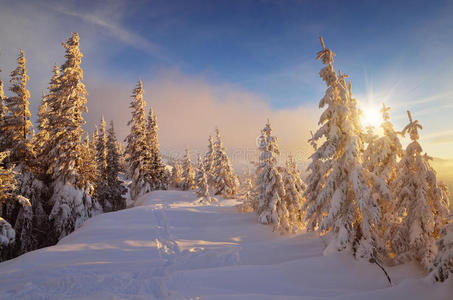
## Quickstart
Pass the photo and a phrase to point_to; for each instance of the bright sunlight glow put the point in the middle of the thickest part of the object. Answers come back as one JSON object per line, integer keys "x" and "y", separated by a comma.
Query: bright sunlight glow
{"x": 371, "y": 116}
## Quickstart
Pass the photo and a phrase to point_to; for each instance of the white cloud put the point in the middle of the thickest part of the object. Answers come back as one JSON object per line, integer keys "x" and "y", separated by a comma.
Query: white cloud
{"x": 189, "y": 109}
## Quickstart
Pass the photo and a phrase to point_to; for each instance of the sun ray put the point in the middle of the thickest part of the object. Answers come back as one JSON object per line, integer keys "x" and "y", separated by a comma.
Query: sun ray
{"x": 371, "y": 116}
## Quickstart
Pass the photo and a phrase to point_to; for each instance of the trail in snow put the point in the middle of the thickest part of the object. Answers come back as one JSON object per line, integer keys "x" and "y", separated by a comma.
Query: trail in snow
{"x": 169, "y": 247}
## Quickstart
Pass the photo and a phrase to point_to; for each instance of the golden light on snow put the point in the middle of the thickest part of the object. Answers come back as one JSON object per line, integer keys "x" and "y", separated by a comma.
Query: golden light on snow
{"x": 371, "y": 116}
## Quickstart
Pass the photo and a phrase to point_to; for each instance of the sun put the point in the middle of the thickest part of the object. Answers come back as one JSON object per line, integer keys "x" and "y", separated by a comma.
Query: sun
{"x": 371, "y": 116}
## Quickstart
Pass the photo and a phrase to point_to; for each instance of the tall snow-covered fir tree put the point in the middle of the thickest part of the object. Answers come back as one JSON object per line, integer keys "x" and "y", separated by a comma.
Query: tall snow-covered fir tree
{"x": 315, "y": 182}
{"x": 72, "y": 203}
{"x": 68, "y": 103}
{"x": 200, "y": 170}
{"x": 248, "y": 196}
{"x": 158, "y": 176}
{"x": 30, "y": 222}
{"x": 115, "y": 189}
{"x": 7, "y": 187}
{"x": 421, "y": 203}
{"x": 45, "y": 140}
{"x": 176, "y": 175}
{"x": 442, "y": 266}
{"x": 188, "y": 174}
{"x": 339, "y": 196}
{"x": 203, "y": 188}
{"x": 291, "y": 166}
{"x": 88, "y": 157}
{"x": 88, "y": 166}
{"x": 101, "y": 182}
{"x": 380, "y": 158}
{"x": 209, "y": 160}
{"x": 41, "y": 139}
{"x": 17, "y": 125}
{"x": 138, "y": 153}
{"x": 8, "y": 193}
{"x": 225, "y": 183}
{"x": 18, "y": 129}
{"x": 293, "y": 199}
{"x": 269, "y": 183}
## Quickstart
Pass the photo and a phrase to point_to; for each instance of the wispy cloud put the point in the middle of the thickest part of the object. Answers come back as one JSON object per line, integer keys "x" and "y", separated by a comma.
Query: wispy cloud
{"x": 443, "y": 137}
{"x": 115, "y": 30}
{"x": 424, "y": 100}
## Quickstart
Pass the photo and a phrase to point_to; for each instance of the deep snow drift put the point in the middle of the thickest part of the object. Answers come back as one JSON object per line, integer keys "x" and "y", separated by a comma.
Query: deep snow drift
{"x": 169, "y": 247}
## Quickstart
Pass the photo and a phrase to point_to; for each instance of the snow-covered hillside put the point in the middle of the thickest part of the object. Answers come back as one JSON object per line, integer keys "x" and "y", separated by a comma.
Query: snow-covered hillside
{"x": 169, "y": 247}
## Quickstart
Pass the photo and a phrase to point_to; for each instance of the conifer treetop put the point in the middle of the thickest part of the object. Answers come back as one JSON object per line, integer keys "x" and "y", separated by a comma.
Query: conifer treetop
{"x": 412, "y": 128}
{"x": 385, "y": 110}
{"x": 19, "y": 104}
{"x": 326, "y": 55}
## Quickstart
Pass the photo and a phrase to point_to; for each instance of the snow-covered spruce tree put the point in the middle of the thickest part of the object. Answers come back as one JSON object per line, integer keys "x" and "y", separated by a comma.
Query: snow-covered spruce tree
{"x": 88, "y": 158}
{"x": 293, "y": 199}
{"x": 17, "y": 125}
{"x": 7, "y": 194}
{"x": 199, "y": 171}
{"x": 188, "y": 174}
{"x": 66, "y": 111}
{"x": 7, "y": 186}
{"x": 203, "y": 188}
{"x": 209, "y": 161}
{"x": 225, "y": 183}
{"x": 421, "y": 203}
{"x": 122, "y": 151}
{"x": 380, "y": 158}
{"x": 176, "y": 175}
{"x": 340, "y": 200}
{"x": 138, "y": 153}
{"x": 29, "y": 220}
{"x": 31, "y": 223}
{"x": 72, "y": 203}
{"x": 44, "y": 140}
{"x": 269, "y": 183}
{"x": 315, "y": 182}
{"x": 291, "y": 167}
{"x": 158, "y": 176}
{"x": 115, "y": 187}
{"x": 41, "y": 139}
{"x": 100, "y": 189}
{"x": 442, "y": 265}
{"x": 248, "y": 196}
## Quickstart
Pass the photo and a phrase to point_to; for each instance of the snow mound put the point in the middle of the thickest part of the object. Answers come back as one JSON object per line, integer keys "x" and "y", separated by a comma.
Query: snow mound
{"x": 170, "y": 246}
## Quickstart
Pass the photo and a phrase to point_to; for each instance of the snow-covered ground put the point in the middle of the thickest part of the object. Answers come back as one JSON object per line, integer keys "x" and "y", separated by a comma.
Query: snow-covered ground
{"x": 169, "y": 247}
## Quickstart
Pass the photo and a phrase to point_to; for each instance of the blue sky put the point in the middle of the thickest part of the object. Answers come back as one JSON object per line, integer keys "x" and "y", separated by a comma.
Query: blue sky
{"x": 268, "y": 46}
{"x": 233, "y": 52}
